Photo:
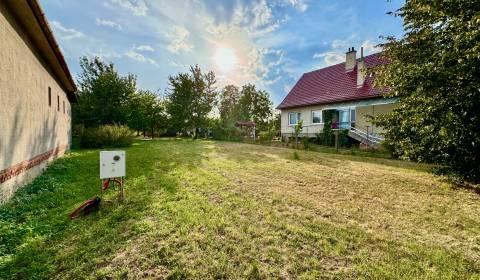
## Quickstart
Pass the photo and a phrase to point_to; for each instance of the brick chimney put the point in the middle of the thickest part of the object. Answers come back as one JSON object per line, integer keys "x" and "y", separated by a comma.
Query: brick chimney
{"x": 361, "y": 70}
{"x": 351, "y": 57}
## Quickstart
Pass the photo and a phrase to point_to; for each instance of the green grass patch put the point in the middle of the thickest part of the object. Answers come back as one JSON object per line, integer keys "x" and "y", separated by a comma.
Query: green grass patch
{"x": 206, "y": 209}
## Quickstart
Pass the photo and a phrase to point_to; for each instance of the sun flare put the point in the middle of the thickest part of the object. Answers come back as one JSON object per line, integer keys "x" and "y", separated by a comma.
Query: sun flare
{"x": 225, "y": 59}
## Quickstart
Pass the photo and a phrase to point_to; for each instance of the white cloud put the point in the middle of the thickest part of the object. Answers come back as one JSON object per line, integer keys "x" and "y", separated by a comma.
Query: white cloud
{"x": 330, "y": 58}
{"x": 262, "y": 14}
{"x": 145, "y": 48}
{"x": 137, "y": 7}
{"x": 104, "y": 54}
{"x": 370, "y": 47}
{"x": 339, "y": 47}
{"x": 300, "y": 5}
{"x": 339, "y": 44}
{"x": 108, "y": 23}
{"x": 64, "y": 32}
{"x": 179, "y": 40}
{"x": 140, "y": 57}
{"x": 177, "y": 64}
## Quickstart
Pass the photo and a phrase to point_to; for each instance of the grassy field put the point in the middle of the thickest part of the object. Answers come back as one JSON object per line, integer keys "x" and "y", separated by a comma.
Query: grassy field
{"x": 223, "y": 210}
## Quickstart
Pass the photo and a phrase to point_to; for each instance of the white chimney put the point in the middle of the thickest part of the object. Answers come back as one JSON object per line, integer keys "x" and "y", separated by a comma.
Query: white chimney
{"x": 351, "y": 57}
{"x": 361, "y": 70}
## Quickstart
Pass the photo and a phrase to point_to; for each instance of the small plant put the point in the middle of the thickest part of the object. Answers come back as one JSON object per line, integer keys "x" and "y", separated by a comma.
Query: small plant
{"x": 254, "y": 272}
{"x": 298, "y": 129}
{"x": 295, "y": 155}
{"x": 306, "y": 143}
{"x": 268, "y": 135}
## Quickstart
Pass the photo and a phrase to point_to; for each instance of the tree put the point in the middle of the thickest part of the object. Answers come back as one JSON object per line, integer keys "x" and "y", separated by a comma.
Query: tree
{"x": 434, "y": 71}
{"x": 228, "y": 105}
{"x": 190, "y": 99}
{"x": 146, "y": 113}
{"x": 255, "y": 105}
{"x": 103, "y": 94}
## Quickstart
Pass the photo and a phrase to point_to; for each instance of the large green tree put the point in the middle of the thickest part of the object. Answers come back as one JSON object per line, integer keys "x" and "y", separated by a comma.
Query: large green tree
{"x": 190, "y": 99}
{"x": 255, "y": 105}
{"x": 104, "y": 95}
{"x": 147, "y": 113}
{"x": 434, "y": 70}
{"x": 228, "y": 105}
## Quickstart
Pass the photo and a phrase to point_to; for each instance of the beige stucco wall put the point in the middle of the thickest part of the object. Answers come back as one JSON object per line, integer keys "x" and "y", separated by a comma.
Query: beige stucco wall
{"x": 310, "y": 129}
{"x": 374, "y": 110}
{"x": 28, "y": 125}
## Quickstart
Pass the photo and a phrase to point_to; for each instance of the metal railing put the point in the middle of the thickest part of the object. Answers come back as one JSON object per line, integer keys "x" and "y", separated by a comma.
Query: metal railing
{"x": 367, "y": 136}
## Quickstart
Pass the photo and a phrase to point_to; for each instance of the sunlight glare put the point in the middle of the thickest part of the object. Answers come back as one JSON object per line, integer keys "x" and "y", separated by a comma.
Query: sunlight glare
{"x": 225, "y": 59}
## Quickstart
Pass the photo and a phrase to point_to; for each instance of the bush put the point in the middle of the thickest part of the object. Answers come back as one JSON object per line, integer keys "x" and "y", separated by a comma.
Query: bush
{"x": 306, "y": 143}
{"x": 343, "y": 139}
{"x": 228, "y": 132}
{"x": 295, "y": 155}
{"x": 327, "y": 138}
{"x": 267, "y": 135}
{"x": 106, "y": 136}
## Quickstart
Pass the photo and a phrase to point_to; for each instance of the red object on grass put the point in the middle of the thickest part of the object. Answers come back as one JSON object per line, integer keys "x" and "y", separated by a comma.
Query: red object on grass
{"x": 86, "y": 207}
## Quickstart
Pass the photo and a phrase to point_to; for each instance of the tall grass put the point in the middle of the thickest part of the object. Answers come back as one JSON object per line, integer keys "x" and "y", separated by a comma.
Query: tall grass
{"x": 107, "y": 136}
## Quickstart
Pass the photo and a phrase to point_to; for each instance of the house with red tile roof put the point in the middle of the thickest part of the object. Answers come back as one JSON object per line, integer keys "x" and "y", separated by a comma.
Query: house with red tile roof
{"x": 344, "y": 88}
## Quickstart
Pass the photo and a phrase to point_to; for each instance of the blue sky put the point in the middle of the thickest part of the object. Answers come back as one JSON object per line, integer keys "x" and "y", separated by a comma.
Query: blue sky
{"x": 268, "y": 43}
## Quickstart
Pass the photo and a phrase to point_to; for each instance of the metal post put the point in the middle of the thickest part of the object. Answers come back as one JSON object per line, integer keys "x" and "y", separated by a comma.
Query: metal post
{"x": 368, "y": 141}
{"x": 336, "y": 140}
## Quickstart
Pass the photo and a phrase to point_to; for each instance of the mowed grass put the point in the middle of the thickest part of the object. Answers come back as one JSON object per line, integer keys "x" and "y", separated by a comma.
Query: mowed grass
{"x": 204, "y": 210}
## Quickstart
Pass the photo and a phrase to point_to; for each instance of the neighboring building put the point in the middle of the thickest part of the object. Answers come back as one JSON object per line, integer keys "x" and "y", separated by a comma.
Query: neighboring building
{"x": 343, "y": 88}
{"x": 36, "y": 89}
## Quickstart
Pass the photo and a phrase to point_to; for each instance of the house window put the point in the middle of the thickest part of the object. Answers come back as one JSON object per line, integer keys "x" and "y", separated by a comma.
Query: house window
{"x": 49, "y": 96}
{"x": 58, "y": 103}
{"x": 294, "y": 118}
{"x": 353, "y": 115}
{"x": 343, "y": 116}
{"x": 317, "y": 117}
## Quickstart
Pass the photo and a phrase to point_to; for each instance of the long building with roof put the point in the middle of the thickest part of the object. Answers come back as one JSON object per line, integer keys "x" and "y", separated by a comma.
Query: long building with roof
{"x": 36, "y": 91}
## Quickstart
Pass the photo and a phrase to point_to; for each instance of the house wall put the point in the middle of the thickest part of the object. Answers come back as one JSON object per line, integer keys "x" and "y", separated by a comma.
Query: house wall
{"x": 309, "y": 130}
{"x": 31, "y": 132}
{"x": 373, "y": 110}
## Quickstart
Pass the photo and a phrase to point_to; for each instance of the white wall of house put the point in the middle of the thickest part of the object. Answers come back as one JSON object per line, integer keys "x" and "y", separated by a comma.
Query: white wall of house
{"x": 362, "y": 108}
{"x": 30, "y": 128}
{"x": 306, "y": 115}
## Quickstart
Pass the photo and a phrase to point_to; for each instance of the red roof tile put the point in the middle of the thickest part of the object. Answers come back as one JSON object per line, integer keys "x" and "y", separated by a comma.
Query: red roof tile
{"x": 332, "y": 84}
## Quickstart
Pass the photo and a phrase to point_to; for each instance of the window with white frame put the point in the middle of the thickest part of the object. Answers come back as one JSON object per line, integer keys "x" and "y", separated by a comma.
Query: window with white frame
{"x": 317, "y": 117}
{"x": 353, "y": 116}
{"x": 294, "y": 118}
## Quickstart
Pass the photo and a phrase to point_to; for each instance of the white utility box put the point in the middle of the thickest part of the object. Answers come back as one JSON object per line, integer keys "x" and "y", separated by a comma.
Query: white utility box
{"x": 112, "y": 164}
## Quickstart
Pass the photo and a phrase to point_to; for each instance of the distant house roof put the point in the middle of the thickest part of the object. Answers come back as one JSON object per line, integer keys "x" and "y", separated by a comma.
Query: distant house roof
{"x": 332, "y": 84}
{"x": 32, "y": 18}
{"x": 245, "y": 123}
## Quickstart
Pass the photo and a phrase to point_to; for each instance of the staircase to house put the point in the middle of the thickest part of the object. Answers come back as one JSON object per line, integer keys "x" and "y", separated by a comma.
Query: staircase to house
{"x": 365, "y": 137}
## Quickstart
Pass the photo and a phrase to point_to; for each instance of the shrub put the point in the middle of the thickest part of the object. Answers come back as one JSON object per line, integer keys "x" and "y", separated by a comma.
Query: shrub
{"x": 343, "y": 139}
{"x": 327, "y": 138}
{"x": 106, "y": 136}
{"x": 267, "y": 135}
{"x": 306, "y": 143}
{"x": 295, "y": 155}
{"x": 228, "y": 132}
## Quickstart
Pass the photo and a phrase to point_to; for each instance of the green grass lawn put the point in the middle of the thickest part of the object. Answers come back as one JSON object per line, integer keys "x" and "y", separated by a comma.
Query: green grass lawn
{"x": 209, "y": 209}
